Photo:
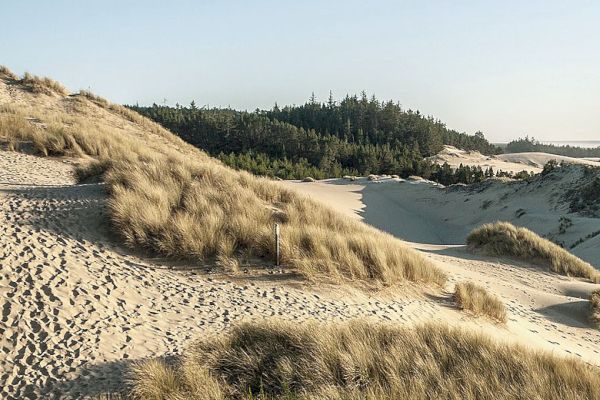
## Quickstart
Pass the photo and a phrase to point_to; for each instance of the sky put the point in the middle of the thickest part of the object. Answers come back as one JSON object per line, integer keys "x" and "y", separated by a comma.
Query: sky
{"x": 507, "y": 68}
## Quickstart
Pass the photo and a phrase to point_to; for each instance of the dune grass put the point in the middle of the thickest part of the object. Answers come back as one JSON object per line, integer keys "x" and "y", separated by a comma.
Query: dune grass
{"x": 595, "y": 307}
{"x": 361, "y": 360}
{"x": 45, "y": 85}
{"x": 6, "y": 73}
{"x": 172, "y": 199}
{"x": 505, "y": 239}
{"x": 474, "y": 298}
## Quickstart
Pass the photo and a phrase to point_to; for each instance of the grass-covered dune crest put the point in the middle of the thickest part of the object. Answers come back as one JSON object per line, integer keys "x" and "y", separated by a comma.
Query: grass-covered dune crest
{"x": 170, "y": 198}
{"x": 361, "y": 360}
{"x": 505, "y": 239}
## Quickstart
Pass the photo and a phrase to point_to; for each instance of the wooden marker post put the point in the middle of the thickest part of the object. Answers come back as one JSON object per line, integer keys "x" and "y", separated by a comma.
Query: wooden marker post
{"x": 277, "y": 243}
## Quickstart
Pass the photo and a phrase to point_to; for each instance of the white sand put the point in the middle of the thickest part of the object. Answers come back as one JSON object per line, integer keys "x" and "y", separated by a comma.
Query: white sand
{"x": 515, "y": 162}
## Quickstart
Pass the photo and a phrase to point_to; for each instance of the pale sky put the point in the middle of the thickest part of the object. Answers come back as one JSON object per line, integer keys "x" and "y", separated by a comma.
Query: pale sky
{"x": 507, "y": 68}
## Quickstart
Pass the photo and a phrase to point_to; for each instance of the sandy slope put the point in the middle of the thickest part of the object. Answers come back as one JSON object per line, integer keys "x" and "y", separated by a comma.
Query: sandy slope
{"x": 76, "y": 309}
{"x": 515, "y": 162}
{"x": 423, "y": 212}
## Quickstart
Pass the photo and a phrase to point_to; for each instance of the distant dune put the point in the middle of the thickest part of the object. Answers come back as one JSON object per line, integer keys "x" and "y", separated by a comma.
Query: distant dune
{"x": 515, "y": 162}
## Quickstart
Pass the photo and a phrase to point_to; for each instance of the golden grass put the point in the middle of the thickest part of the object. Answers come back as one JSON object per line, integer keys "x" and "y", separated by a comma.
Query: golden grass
{"x": 6, "y": 73}
{"x": 45, "y": 85}
{"x": 595, "y": 307}
{"x": 505, "y": 239}
{"x": 172, "y": 199}
{"x": 474, "y": 298}
{"x": 360, "y": 360}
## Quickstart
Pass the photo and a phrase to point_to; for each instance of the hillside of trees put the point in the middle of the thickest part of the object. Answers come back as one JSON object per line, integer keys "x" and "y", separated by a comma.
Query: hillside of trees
{"x": 528, "y": 144}
{"x": 356, "y": 136}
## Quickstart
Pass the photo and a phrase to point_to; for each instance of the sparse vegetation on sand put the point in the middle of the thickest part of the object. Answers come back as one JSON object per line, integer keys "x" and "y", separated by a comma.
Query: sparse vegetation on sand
{"x": 360, "y": 360}
{"x": 7, "y": 73}
{"x": 595, "y": 307}
{"x": 474, "y": 298}
{"x": 45, "y": 85}
{"x": 172, "y": 199}
{"x": 505, "y": 239}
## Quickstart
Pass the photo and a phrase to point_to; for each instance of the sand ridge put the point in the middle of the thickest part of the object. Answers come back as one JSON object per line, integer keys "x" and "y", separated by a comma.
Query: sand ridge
{"x": 512, "y": 162}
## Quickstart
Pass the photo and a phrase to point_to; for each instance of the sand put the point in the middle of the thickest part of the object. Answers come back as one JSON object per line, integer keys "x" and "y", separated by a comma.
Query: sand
{"x": 514, "y": 162}
{"x": 425, "y": 212}
{"x": 78, "y": 309}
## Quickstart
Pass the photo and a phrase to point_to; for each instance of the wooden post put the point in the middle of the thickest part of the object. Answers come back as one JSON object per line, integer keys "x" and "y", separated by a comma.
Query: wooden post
{"x": 277, "y": 243}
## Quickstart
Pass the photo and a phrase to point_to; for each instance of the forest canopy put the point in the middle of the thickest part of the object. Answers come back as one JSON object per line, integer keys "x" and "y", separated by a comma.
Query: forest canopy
{"x": 355, "y": 136}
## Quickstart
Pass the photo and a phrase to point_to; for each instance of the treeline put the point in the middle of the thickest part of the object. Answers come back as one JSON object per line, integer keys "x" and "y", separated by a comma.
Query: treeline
{"x": 445, "y": 175}
{"x": 363, "y": 120}
{"x": 528, "y": 144}
{"x": 352, "y": 137}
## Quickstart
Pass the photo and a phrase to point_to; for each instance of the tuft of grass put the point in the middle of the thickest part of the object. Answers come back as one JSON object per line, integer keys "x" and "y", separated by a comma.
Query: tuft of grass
{"x": 505, "y": 239}
{"x": 45, "y": 85}
{"x": 6, "y": 73}
{"x": 595, "y": 307}
{"x": 92, "y": 171}
{"x": 172, "y": 199}
{"x": 361, "y": 360}
{"x": 474, "y": 298}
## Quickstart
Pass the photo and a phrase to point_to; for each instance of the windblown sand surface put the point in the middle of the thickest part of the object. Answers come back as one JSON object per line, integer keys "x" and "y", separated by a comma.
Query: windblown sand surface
{"x": 77, "y": 308}
{"x": 425, "y": 212}
{"x": 515, "y": 162}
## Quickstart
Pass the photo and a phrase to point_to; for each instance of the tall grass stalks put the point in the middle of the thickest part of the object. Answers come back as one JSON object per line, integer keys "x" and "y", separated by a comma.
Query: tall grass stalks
{"x": 360, "y": 360}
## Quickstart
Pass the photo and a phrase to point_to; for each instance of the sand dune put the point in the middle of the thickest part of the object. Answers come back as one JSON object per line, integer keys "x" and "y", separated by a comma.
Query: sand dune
{"x": 77, "y": 308}
{"x": 540, "y": 159}
{"x": 515, "y": 162}
{"x": 545, "y": 310}
{"x": 423, "y": 212}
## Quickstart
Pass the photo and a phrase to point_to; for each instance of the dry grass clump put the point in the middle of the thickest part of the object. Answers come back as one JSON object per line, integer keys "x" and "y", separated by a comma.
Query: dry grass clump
{"x": 595, "y": 307}
{"x": 99, "y": 100}
{"x": 505, "y": 239}
{"x": 92, "y": 171}
{"x": 172, "y": 199}
{"x": 6, "y": 73}
{"x": 361, "y": 360}
{"x": 184, "y": 208}
{"x": 308, "y": 179}
{"x": 45, "y": 85}
{"x": 474, "y": 298}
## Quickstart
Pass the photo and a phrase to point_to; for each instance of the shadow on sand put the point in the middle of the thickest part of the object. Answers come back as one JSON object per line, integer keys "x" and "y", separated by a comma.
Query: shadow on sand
{"x": 574, "y": 313}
